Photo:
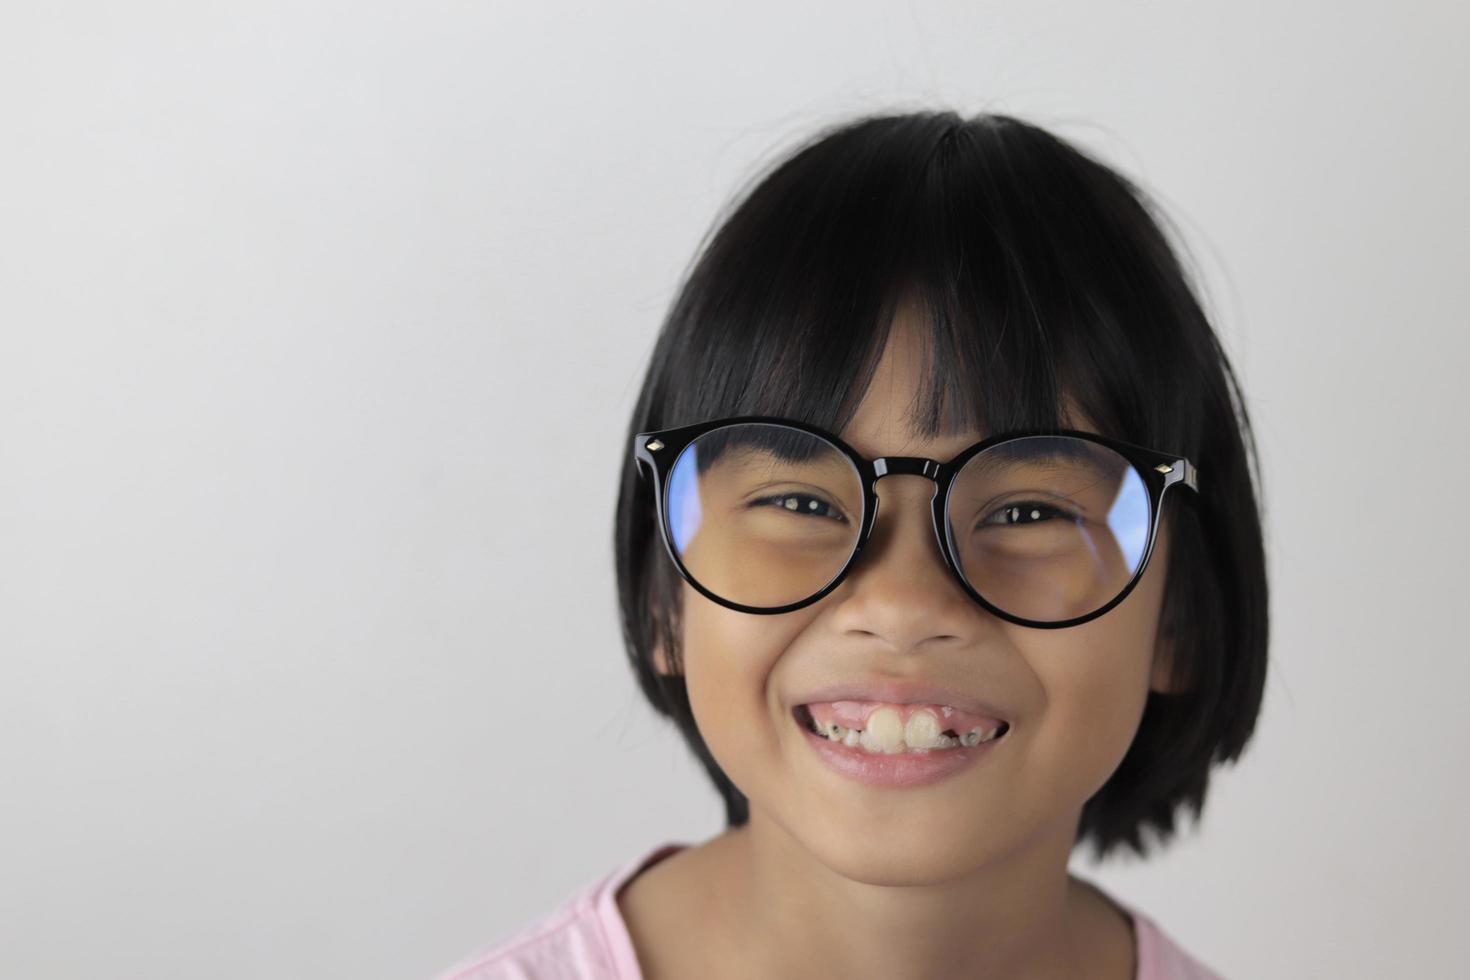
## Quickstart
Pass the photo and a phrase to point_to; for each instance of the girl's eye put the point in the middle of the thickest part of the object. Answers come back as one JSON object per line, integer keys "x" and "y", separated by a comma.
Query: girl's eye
{"x": 1026, "y": 512}
{"x": 801, "y": 503}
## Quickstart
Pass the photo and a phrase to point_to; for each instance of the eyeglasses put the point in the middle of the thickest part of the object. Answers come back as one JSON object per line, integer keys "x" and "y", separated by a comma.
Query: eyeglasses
{"x": 1044, "y": 528}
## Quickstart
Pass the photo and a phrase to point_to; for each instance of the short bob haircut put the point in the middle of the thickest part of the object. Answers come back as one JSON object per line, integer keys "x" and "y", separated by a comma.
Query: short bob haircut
{"x": 1043, "y": 277}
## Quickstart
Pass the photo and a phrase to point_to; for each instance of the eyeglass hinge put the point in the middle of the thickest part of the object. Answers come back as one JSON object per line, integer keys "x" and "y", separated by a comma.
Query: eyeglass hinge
{"x": 1188, "y": 474}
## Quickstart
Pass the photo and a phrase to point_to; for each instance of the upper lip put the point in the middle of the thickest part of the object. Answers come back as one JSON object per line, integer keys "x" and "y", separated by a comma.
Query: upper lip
{"x": 898, "y": 691}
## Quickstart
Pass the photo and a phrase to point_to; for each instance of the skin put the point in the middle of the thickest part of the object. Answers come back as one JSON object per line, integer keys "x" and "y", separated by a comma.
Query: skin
{"x": 964, "y": 877}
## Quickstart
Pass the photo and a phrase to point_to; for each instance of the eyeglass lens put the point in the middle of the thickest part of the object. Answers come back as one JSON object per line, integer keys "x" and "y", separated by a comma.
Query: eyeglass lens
{"x": 1046, "y": 528}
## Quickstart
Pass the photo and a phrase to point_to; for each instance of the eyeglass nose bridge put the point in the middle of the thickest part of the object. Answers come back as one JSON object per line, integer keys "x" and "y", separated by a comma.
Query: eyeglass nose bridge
{"x": 905, "y": 466}
{"x": 909, "y": 466}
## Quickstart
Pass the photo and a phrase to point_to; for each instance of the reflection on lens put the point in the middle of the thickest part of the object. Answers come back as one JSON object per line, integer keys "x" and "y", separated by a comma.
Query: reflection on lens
{"x": 763, "y": 515}
{"x": 1048, "y": 528}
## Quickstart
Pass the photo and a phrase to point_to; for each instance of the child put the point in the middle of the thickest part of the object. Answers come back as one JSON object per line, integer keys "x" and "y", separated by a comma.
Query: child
{"x": 937, "y": 541}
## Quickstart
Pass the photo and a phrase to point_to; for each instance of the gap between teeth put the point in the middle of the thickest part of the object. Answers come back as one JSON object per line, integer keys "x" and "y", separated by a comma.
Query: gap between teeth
{"x": 886, "y": 735}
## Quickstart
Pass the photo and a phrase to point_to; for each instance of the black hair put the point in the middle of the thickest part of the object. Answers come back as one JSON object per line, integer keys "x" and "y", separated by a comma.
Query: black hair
{"x": 1046, "y": 281}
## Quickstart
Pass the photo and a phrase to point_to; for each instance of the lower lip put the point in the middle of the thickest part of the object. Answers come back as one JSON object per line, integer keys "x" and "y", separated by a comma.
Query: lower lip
{"x": 901, "y": 769}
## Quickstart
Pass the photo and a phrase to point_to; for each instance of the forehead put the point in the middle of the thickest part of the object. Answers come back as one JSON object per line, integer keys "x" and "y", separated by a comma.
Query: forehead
{"x": 884, "y": 423}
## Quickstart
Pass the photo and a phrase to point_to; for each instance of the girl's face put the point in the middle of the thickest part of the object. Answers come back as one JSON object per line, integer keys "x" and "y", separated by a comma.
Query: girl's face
{"x": 1074, "y": 696}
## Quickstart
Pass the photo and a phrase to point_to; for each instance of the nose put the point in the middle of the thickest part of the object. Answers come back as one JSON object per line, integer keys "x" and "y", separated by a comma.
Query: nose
{"x": 900, "y": 590}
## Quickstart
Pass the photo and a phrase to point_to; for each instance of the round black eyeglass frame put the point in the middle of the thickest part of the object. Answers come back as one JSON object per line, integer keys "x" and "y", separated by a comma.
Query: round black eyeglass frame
{"x": 657, "y": 452}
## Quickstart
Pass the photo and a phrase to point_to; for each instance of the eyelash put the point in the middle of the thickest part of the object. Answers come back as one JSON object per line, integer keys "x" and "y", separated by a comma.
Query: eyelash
{"x": 771, "y": 500}
{"x": 1033, "y": 506}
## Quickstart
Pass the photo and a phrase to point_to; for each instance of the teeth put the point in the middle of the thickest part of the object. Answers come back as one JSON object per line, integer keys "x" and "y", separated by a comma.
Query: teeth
{"x": 922, "y": 730}
{"x": 886, "y": 734}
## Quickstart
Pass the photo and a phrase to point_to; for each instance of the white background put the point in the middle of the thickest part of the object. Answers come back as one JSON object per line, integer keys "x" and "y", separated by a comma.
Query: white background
{"x": 297, "y": 680}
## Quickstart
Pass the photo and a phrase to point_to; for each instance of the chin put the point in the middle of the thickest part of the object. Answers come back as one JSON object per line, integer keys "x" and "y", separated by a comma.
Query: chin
{"x": 914, "y": 857}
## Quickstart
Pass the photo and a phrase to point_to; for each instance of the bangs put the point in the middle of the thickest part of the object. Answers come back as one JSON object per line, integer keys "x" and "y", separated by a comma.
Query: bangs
{"x": 1004, "y": 250}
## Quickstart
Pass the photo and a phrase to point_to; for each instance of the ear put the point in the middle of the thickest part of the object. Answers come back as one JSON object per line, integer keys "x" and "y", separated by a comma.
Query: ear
{"x": 1161, "y": 678}
{"x": 661, "y": 663}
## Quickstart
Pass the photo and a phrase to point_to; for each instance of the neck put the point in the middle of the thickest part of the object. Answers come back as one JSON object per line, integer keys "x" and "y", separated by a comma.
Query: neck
{"x": 803, "y": 910}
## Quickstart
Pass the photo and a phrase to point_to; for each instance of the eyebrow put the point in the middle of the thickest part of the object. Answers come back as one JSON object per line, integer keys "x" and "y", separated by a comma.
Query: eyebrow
{"x": 970, "y": 439}
{"x": 1052, "y": 453}
{"x": 1052, "y": 449}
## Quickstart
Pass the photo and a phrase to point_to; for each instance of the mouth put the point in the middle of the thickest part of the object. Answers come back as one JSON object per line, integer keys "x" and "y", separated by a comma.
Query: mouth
{"x": 885, "y": 730}
{"x": 879, "y": 754}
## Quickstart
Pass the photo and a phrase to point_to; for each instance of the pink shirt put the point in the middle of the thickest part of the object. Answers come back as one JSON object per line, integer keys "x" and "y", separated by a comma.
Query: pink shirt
{"x": 586, "y": 939}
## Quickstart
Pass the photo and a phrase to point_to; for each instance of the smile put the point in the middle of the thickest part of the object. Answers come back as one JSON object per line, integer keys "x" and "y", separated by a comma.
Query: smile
{"x": 886, "y": 759}
{"x": 894, "y": 729}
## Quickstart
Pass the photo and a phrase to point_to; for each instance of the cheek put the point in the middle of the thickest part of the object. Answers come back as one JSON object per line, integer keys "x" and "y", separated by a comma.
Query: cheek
{"x": 1095, "y": 692}
{"x": 729, "y": 660}
{"x": 1096, "y": 680}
